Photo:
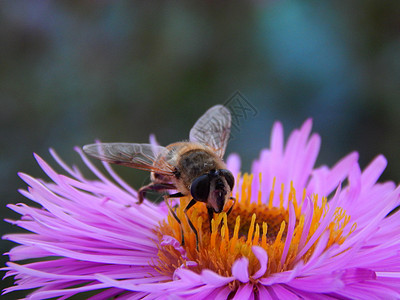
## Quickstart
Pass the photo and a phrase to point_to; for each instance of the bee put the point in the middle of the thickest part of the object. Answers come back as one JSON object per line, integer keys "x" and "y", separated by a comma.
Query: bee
{"x": 192, "y": 168}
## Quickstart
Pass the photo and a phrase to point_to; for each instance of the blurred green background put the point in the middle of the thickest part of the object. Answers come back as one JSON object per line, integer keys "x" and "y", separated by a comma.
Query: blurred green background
{"x": 75, "y": 71}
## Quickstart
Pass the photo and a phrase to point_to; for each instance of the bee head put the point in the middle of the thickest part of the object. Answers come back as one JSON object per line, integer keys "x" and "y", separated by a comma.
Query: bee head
{"x": 213, "y": 188}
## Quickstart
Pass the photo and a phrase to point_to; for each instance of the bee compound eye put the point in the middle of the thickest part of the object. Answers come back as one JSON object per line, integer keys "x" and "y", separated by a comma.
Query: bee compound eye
{"x": 229, "y": 177}
{"x": 200, "y": 188}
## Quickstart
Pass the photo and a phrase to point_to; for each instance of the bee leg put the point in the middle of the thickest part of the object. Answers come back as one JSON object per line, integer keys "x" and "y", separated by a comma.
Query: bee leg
{"x": 210, "y": 211}
{"x": 159, "y": 187}
{"x": 176, "y": 195}
{"x": 230, "y": 208}
{"x": 191, "y": 203}
{"x": 175, "y": 216}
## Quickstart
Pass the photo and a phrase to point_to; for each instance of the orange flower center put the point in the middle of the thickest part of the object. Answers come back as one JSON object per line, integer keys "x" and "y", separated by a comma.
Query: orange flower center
{"x": 250, "y": 223}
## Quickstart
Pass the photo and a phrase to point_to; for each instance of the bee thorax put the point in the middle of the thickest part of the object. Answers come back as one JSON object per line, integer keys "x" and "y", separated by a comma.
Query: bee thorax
{"x": 195, "y": 163}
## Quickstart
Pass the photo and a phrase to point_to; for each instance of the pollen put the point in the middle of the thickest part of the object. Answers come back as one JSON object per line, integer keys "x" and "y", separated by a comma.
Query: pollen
{"x": 250, "y": 223}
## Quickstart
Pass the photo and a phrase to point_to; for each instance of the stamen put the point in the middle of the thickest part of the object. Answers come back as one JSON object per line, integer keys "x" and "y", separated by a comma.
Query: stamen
{"x": 281, "y": 195}
{"x": 280, "y": 233}
{"x": 271, "y": 194}
{"x": 264, "y": 235}
{"x": 235, "y": 234}
{"x": 251, "y": 229}
{"x": 256, "y": 235}
{"x": 259, "y": 190}
{"x": 213, "y": 233}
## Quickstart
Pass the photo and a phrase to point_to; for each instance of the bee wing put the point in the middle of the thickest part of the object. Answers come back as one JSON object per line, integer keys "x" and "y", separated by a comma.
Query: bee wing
{"x": 213, "y": 129}
{"x": 138, "y": 156}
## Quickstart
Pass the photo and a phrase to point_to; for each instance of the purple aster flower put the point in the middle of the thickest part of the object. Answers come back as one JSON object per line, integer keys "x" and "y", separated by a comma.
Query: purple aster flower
{"x": 295, "y": 232}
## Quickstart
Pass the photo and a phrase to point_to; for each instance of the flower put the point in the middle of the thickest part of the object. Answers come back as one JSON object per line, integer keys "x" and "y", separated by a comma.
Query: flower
{"x": 295, "y": 232}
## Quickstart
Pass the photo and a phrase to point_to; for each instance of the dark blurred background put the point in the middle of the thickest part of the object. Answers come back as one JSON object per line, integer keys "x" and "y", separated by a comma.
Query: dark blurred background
{"x": 75, "y": 71}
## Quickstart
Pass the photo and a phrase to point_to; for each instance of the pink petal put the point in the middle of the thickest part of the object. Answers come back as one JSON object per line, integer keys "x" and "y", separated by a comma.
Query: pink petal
{"x": 262, "y": 257}
{"x": 153, "y": 140}
{"x": 283, "y": 277}
{"x": 40, "y": 295}
{"x": 308, "y": 209}
{"x": 368, "y": 290}
{"x": 169, "y": 240}
{"x": 187, "y": 275}
{"x": 340, "y": 170}
{"x": 277, "y": 140}
{"x": 233, "y": 163}
{"x": 244, "y": 292}
{"x": 213, "y": 279}
{"x": 355, "y": 275}
{"x": 354, "y": 189}
{"x": 223, "y": 294}
{"x": 317, "y": 284}
{"x": 278, "y": 291}
{"x": 263, "y": 293}
{"x": 318, "y": 254}
{"x": 372, "y": 172}
{"x": 240, "y": 269}
{"x": 289, "y": 236}
{"x": 307, "y": 164}
{"x": 323, "y": 224}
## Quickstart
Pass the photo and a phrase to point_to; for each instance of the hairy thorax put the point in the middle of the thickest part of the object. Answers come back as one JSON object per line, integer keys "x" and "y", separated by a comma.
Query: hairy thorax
{"x": 191, "y": 161}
